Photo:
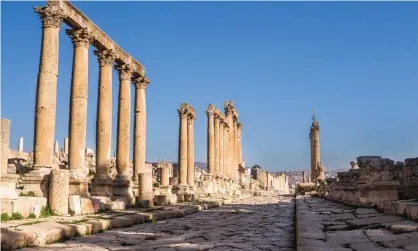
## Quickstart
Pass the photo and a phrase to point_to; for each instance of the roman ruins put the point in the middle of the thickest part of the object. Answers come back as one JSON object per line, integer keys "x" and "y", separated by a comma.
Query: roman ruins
{"x": 317, "y": 170}
{"x": 93, "y": 180}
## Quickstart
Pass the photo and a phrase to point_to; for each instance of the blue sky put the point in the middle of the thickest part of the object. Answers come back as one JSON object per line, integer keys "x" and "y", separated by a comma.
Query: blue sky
{"x": 356, "y": 63}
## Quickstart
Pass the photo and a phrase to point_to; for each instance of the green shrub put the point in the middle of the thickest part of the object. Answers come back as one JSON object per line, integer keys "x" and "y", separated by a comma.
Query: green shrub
{"x": 46, "y": 211}
{"x": 16, "y": 216}
{"x": 32, "y": 216}
{"x": 5, "y": 217}
{"x": 28, "y": 194}
{"x": 156, "y": 184}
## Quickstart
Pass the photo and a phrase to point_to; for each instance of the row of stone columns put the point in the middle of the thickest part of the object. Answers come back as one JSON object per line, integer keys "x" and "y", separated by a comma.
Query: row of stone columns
{"x": 45, "y": 114}
{"x": 186, "y": 146}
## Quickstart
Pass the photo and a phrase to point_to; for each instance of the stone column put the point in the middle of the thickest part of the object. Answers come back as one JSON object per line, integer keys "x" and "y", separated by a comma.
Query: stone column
{"x": 141, "y": 84}
{"x": 46, "y": 93}
{"x": 59, "y": 191}
{"x": 190, "y": 151}
{"x": 221, "y": 148}
{"x": 78, "y": 112}
{"x": 239, "y": 129}
{"x": 145, "y": 195}
{"x": 102, "y": 183}
{"x": 8, "y": 181}
{"x": 66, "y": 145}
{"x": 182, "y": 162}
{"x": 56, "y": 147}
{"x": 210, "y": 141}
{"x": 20, "y": 145}
{"x": 122, "y": 186}
{"x": 165, "y": 176}
{"x": 227, "y": 168}
{"x": 216, "y": 139}
{"x": 5, "y": 141}
{"x": 315, "y": 152}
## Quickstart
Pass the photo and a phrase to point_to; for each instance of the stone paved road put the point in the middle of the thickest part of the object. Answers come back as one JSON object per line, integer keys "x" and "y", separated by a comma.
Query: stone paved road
{"x": 255, "y": 223}
{"x": 328, "y": 226}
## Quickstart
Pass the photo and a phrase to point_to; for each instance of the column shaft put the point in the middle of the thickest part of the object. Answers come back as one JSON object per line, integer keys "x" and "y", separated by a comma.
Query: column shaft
{"x": 104, "y": 113}
{"x": 78, "y": 99}
{"x": 140, "y": 127}
{"x": 211, "y": 143}
{"x": 183, "y": 149}
{"x": 190, "y": 151}
{"x": 46, "y": 92}
{"x": 227, "y": 166}
{"x": 5, "y": 141}
{"x": 221, "y": 149}
{"x": 216, "y": 139}
{"x": 124, "y": 111}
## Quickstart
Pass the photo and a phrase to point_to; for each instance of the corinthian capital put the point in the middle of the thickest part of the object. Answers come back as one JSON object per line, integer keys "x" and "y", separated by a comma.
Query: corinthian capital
{"x": 182, "y": 113}
{"x": 80, "y": 37}
{"x": 140, "y": 82}
{"x": 125, "y": 71}
{"x": 105, "y": 57}
{"x": 50, "y": 15}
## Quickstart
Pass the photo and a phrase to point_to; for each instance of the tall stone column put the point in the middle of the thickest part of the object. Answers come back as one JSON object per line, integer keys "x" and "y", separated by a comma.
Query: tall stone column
{"x": 315, "y": 151}
{"x": 211, "y": 141}
{"x": 239, "y": 129}
{"x": 221, "y": 148}
{"x": 190, "y": 150}
{"x": 227, "y": 166}
{"x": 56, "y": 147}
{"x": 122, "y": 186}
{"x": 78, "y": 112}
{"x": 182, "y": 162}
{"x": 46, "y": 93}
{"x": 216, "y": 139}
{"x": 20, "y": 145}
{"x": 66, "y": 145}
{"x": 140, "y": 123}
{"x": 235, "y": 150}
{"x": 102, "y": 183}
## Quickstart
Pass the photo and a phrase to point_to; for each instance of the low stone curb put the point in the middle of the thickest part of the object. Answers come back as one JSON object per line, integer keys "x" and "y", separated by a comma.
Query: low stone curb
{"x": 44, "y": 233}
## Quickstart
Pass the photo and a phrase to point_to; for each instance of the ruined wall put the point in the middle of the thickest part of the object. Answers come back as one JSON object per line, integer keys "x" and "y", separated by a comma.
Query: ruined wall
{"x": 376, "y": 180}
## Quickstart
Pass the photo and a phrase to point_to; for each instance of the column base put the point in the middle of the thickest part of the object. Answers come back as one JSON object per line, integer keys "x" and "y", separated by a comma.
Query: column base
{"x": 79, "y": 184}
{"x": 165, "y": 190}
{"x": 122, "y": 189}
{"x": 102, "y": 185}
{"x": 8, "y": 186}
{"x": 183, "y": 193}
{"x": 37, "y": 181}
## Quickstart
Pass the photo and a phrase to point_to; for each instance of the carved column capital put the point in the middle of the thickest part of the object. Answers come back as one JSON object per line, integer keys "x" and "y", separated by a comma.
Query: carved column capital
{"x": 50, "y": 15}
{"x": 125, "y": 71}
{"x": 210, "y": 113}
{"x": 80, "y": 37}
{"x": 182, "y": 114}
{"x": 190, "y": 119}
{"x": 105, "y": 57}
{"x": 141, "y": 82}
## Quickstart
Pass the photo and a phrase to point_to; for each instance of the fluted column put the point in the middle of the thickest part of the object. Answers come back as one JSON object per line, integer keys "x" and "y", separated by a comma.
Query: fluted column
{"x": 216, "y": 139}
{"x": 210, "y": 142}
{"x": 46, "y": 92}
{"x": 140, "y": 123}
{"x": 102, "y": 184}
{"x": 182, "y": 149}
{"x": 190, "y": 150}
{"x": 123, "y": 185}
{"x": 227, "y": 166}
{"x": 78, "y": 100}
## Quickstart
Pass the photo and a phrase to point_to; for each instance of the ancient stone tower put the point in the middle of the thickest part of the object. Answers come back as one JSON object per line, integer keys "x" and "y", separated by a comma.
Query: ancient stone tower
{"x": 317, "y": 171}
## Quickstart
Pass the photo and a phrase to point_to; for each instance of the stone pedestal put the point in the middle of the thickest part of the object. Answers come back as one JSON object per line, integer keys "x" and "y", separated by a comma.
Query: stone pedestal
{"x": 79, "y": 184}
{"x": 181, "y": 192}
{"x": 8, "y": 186}
{"x": 102, "y": 185}
{"x": 122, "y": 189}
{"x": 37, "y": 181}
{"x": 145, "y": 196}
{"x": 165, "y": 190}
{"x": 59, "y": 191}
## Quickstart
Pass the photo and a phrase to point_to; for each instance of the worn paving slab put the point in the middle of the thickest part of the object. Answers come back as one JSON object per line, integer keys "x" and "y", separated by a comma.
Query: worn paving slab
{"x": 255, "y": 223}
{"x": 326, "y": 225}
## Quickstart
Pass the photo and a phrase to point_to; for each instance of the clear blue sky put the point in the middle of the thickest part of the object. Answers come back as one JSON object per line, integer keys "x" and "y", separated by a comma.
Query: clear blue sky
{"x": 356, "y": 63}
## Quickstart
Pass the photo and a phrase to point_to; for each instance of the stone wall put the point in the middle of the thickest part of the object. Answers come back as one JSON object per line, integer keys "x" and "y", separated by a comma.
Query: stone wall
{"x": 375, "y": 180}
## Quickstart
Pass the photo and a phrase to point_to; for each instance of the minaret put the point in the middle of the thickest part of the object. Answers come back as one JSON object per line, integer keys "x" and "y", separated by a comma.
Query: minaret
{"x": 316, "y": 167}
